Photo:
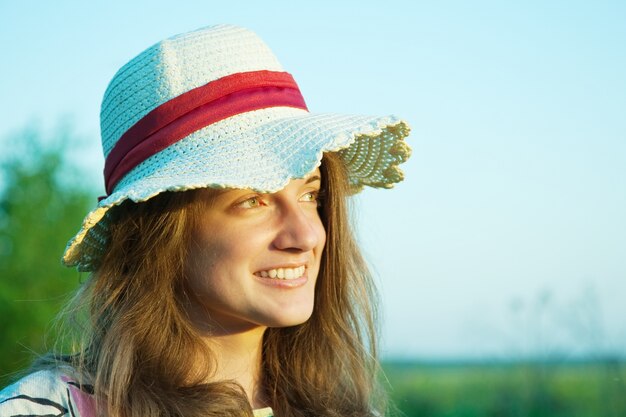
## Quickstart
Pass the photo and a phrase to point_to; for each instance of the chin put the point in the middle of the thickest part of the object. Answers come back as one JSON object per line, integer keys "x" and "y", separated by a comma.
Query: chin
{"x": 289, "y": 320}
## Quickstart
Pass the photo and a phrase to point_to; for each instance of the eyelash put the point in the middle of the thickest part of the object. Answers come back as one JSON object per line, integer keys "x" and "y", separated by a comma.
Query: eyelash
{"x": 318, "y": 197}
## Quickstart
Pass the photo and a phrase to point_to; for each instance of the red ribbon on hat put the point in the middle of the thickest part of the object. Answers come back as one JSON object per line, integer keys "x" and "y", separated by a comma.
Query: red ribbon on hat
{"x": 197, "y": 108}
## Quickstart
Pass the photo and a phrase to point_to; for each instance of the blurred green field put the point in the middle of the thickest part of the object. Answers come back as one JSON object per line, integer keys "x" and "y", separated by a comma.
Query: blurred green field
{"x": 521, "y": 389}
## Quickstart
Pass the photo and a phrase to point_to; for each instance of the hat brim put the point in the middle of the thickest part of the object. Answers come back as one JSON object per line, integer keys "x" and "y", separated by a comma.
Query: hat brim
{"x": 275, "y": 146}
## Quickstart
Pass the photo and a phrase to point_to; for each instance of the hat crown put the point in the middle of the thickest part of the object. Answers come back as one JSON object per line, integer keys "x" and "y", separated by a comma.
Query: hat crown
{"x": 174, "y": 66}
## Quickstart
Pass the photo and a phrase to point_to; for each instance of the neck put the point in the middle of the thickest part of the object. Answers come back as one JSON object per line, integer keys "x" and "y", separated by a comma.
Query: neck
{"x": 236, "y": 346}
{"x": 238, "y": 357}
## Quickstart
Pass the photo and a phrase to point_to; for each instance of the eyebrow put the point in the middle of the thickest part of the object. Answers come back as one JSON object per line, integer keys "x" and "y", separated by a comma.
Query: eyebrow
{"x": 313, "y": 179}
{"x": 309, "y": 180}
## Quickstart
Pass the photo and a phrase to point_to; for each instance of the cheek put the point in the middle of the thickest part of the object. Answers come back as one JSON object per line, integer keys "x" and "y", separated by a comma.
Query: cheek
{"x": 322, "y": 240}
{"x": 318, "y": 251}
{"x": 208, "y": 279}
{"x": 321, "y": 233}
{"x": 213, "y": 262}
{"x": 202, "y": 262}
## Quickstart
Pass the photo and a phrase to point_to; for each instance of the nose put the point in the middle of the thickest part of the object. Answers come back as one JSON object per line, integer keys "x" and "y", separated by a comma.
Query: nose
{"x": 300, "y": 229}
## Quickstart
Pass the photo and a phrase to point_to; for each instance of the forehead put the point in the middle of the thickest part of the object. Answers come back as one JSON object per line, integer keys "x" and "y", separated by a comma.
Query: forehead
{"x": 316, "y": 175}
{"x": 313, "y": 177}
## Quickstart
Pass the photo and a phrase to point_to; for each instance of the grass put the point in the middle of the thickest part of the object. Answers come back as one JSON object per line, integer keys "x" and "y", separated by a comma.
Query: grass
{"x": 514, "y": 389}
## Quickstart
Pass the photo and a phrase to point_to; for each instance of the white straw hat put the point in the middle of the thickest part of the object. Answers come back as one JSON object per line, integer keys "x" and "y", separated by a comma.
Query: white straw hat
{"x": 214, "y": 108}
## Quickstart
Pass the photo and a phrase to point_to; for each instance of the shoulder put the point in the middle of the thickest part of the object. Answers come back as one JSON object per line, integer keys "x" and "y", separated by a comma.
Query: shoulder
{"x": 46, "y": 393}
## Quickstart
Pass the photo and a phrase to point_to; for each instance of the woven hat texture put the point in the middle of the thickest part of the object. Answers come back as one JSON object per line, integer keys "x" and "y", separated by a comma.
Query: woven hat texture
{"x": 261, "y": 149}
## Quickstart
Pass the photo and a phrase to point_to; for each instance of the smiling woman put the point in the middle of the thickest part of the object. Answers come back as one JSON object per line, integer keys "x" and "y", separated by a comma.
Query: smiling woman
{"x": 254, "y": 259}
{"x": 225, "y": 279}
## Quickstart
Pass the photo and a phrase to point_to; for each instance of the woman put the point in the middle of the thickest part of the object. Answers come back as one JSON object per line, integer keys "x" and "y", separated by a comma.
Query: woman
{"x": 224, "y": 276}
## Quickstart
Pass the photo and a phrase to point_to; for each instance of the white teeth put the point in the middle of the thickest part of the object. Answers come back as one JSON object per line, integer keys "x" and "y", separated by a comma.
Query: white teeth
{"x": 283, "y": 273}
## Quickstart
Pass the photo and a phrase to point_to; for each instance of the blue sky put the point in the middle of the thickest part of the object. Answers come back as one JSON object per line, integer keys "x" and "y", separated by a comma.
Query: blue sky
{"x": 508, "y": 236}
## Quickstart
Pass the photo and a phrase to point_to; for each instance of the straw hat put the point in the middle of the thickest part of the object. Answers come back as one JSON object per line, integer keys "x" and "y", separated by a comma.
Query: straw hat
{"x": 214, "y": 108}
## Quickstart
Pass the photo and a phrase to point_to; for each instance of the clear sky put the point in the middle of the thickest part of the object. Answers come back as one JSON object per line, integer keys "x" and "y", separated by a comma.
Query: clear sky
{"x": 508, "y": 236}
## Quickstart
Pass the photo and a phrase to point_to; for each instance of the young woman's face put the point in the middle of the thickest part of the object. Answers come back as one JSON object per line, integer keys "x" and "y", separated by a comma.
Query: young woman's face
{"x": 254, "y": 258}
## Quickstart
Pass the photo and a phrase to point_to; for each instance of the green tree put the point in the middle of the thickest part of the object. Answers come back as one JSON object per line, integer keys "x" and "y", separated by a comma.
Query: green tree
{"x": 43, "y": 200}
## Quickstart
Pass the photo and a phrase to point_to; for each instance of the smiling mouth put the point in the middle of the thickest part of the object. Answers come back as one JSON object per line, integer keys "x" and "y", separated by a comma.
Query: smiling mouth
{"x": 282, "y": 273}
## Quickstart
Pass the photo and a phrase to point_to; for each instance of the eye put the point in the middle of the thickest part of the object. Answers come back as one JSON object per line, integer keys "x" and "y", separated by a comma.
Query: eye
{"x": 252, "y": 202}
{"x": 310, "y": 197}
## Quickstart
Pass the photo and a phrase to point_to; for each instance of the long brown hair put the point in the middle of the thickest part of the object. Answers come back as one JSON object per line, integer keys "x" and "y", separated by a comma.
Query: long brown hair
{"x": 144, "y": 357}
